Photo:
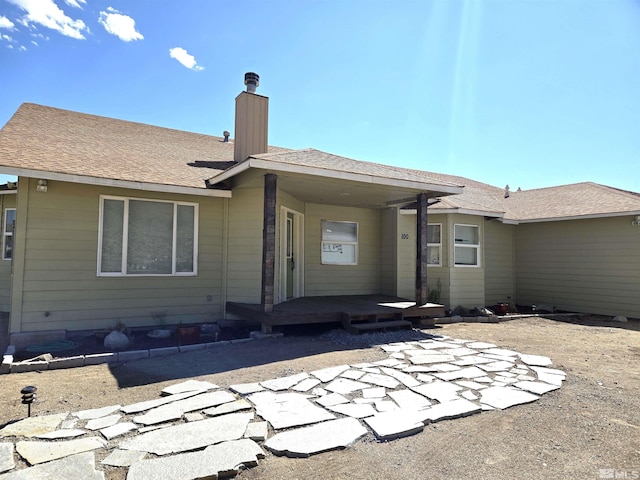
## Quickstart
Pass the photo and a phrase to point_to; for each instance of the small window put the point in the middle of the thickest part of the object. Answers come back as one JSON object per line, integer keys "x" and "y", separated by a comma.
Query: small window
{"x": 466, "y": 245}
{"x": 339, "y": 243}
{"x": 7, "y": 233}
{"x": 434, "y": 245}
{"x": 147, "y": 237}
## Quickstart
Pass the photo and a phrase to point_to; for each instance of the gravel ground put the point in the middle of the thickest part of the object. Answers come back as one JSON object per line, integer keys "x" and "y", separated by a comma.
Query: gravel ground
{"x": 588, "y": 429}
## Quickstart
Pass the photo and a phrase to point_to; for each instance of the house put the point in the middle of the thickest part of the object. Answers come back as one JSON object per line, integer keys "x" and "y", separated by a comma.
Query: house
{"x": 116, "y": 220}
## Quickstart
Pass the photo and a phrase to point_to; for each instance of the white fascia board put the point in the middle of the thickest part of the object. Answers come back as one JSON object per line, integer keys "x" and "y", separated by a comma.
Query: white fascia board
{"x": 582, "y": 217}
{"x": 463, "y": 211}
{"x": 333, "y": 174}
{"x": 107, "y": 182}
{"x": 8, "y": 192}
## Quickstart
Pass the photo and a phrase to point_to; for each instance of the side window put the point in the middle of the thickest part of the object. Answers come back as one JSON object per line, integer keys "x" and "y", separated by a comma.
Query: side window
{"x": 339, "y": 243}
{"x": 7, "y": 233}
{"x": 434, "y": 244}
{"x": 466, "y": 245}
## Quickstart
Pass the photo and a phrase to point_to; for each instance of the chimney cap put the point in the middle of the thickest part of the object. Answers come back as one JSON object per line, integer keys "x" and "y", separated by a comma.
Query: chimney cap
{"x": 251, "y": 80}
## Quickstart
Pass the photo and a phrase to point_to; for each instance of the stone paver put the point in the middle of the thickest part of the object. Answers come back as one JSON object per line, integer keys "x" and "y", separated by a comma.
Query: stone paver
{"x": 64, "y": 433}
{"x": 380, "y": 380}
{"x": 451, "y": 409}
{"x": 189, "y": 386}
{"x": 246, "y": 388}
{"x": 149, "y": 404}
{"x": 175, "y": 410}
{"x": 394, "y": 424}
{"x": 539, "y": 388}
{"x": 257, "y": 431}
{"x": 123, "y": 458}
{"x": 333, "y": 399}
{"x": 33, "y": 426}
{"x": 505, "y": 397}
{"x": 432, "y": 358}
{"x": 284, "y": 383}
{"x": 118, "y": 429}
{"x": 327, "y": 374}
{"x": 36, "y": 452}
{"x": 322, "y": 437}
{"x": 306, "y": 385}
{"x": 103, "y": 422}
{"x": 96, "y": 412}
{"x": 6, "y": 457}
{"x": 288, "y": 410}
{"x": 410, "y": 400}
{"x": 438, "y": 390}
{"x": 354, "y": 410}
{"x": 82, "y": 466}
{"x": 190, "y": 436}
{"x": 214, "y": 461}
{"x": 235, "y": 406}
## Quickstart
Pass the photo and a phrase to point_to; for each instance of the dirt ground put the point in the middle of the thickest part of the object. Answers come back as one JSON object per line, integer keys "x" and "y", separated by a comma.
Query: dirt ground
{"x": 591, "y": 423}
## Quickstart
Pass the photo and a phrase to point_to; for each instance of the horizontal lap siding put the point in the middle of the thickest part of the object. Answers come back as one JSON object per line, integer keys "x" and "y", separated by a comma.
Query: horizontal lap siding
{"x": 388, "y": 251}
{"x": 244, "y": 273}
{"x": 6, "y": 201}
{"x": 361, "y": 279}
{"x": 590, "y": 266}
{"x": 466, "y": 284}
{"x": 499, "y": 262}
{"x": 61, "y": 288}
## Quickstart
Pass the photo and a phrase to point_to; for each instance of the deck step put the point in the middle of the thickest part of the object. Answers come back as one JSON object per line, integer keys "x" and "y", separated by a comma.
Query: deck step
{"x": 359, "y": 327}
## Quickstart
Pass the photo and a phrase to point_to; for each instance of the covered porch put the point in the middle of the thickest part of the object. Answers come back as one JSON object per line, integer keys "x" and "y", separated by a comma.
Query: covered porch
{"x": 356, "y": 313}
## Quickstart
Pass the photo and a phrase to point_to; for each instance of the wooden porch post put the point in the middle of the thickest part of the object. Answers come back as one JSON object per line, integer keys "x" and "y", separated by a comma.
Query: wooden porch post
{"x": 269, "y": 243}
{"x": 422, "y": 292}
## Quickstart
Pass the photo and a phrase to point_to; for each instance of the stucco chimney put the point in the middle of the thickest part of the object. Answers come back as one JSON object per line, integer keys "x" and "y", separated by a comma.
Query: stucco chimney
{"x": 252, "y": 118}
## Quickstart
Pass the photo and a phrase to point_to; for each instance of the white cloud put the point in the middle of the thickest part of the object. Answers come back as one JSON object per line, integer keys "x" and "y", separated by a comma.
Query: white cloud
{"x": 75, "y": 3}
{"x": 7, "y": 38}
{"x": 48, "y": 14}
{"x": 122, "y": 26}
{"x": 6, "y": 23}
{"x": 35, "y": 43}
{"x": 22, "y": 48}
{"x": 186, "y": 59}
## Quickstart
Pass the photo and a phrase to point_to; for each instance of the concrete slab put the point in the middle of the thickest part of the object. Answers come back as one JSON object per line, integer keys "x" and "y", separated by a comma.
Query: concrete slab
{"x": 216, "y": 461}
{"x": 438, "y": 390}
{"x": 505, "y": 397}
{"x": 96, "y": 412}
{"x": 284, "y": 383}
{"x": 288, "y": 410}
{"x": 345, "y": 386}
{"x": 59, "y": 434}
{"x": 246, "y": 388}
{"x": 353, "y": 410}
{"x": 118, "y": 429}
{"x": 103, "y": 422}
{"x": 394, "y": 424}
{"x": 149, "y": 404}
{"x": 123, "y": 458}
{"x": 175, "y": 410}
{"x": 230, "y": 407}
{"x": 188, "y": 386}
{"x": 33, "y": 426}
{"x": 325, "y": 375}
{"x": 6, "y": 457}
{"x": 407, "y": 399}
{"x": 190, "y": 436}
{"x": 72, "y": 467}
{"x": 36, "y": 452}
{"x": 539, "y": 388}
{"x": 257, "y": 431}
{"x": 303, "y": 442}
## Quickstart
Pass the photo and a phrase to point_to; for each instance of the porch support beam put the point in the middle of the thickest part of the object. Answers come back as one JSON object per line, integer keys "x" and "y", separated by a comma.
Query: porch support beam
{"x": 422, "y": 292}
{"x": 269, "y": 243}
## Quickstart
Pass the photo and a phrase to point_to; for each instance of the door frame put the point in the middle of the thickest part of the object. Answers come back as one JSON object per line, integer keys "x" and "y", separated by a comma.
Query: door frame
{"x": 298, "y": 249}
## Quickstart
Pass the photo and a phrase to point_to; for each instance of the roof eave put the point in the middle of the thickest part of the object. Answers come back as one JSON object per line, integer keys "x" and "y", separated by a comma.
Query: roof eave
{"x": 581, "y": 217}
{"x": 462, "y": 211}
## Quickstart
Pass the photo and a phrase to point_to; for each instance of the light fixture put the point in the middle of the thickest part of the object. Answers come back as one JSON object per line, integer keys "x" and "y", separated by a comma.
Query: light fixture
{"x": 42, "y": 186}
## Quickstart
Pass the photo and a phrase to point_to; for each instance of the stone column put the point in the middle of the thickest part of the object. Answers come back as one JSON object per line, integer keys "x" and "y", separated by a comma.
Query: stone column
{"x": 422, "y": 292}
{"x": 269, "y": 243}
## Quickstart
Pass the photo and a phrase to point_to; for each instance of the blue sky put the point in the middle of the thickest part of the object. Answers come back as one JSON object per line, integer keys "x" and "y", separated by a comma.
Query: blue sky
{"x": 530, "y": 93}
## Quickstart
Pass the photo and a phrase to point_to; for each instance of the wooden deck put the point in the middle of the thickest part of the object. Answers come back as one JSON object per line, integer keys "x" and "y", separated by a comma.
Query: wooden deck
{"x": 355, "y": 312}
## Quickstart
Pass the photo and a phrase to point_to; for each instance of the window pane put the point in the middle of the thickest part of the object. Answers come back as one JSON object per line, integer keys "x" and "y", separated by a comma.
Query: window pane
{"x": 150, "y": 237}
{"x": 339, "y": 231}
{"x": 10, "y": 220}
{"x": 433, "y": 233}
{"x": 112, "y": 224}
{"x": 338, "y": 253}
{"x": 8, "y": 247}
{"x": 433, "y": 254}
{"x": 466, "y": 256}
{"x": 184, "y": 248}
{"x": 466, "y": 235}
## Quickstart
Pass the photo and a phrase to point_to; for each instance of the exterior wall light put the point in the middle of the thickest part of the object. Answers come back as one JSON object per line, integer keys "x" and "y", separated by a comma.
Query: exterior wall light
{"x": 42, "y": 186}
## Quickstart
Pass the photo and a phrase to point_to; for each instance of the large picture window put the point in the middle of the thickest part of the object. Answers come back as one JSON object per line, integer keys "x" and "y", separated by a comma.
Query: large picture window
{"x": 434, "y": 245}
{"x": 147, "y": 237}
{"x": 7, "y": 233}
{"x": 339, "y": 243}
{"x": 466, "y": 245}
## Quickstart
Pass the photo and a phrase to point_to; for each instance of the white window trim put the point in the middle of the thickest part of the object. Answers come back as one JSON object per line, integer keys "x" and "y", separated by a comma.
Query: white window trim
{"x": 355, "y": 244}
{"x": 457, "y": 245}
{"x": 6, "y": 234}
{"x": 125, "y": 236}
{"x": 439, "y": 245}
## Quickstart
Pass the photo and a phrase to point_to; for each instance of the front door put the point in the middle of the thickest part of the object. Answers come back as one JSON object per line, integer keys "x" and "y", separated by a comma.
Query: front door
{"x": 291, "y": 249}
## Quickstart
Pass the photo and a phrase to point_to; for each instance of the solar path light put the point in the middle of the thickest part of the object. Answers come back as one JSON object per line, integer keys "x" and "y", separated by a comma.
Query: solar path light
{"x": 28, "y": 397}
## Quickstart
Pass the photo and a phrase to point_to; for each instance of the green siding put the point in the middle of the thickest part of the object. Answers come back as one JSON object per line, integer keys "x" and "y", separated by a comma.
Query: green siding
{"x": 6, "y": 201}
{"x": 60, "y": 286}
{"x": 466, "y": 284}
{"x": 499, "y": 258}
{"x": 590, "y": 266}
{"x": 389, "y": 251}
